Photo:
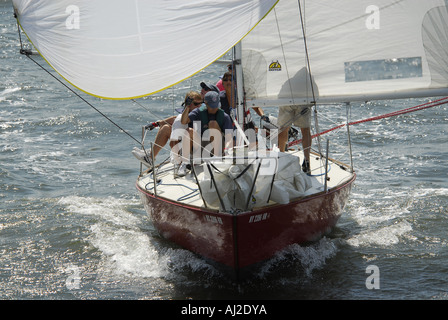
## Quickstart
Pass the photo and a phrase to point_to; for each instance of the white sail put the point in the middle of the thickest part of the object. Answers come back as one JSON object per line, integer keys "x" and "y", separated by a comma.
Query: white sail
{"x": 120, "y": 49}
{"x": 358, "y": 50}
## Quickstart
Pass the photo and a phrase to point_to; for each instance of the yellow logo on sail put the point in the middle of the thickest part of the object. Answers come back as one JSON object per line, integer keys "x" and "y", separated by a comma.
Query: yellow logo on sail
{"x": 275, "y": 66}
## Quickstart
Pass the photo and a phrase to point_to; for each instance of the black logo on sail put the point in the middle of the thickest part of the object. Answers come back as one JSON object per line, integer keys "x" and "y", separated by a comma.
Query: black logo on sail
{"x": 275, "y": 66}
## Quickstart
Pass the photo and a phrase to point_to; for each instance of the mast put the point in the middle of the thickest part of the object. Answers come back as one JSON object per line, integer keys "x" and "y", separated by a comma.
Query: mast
{"x": 238, "y": 68}
{"x": 240, "y": 96}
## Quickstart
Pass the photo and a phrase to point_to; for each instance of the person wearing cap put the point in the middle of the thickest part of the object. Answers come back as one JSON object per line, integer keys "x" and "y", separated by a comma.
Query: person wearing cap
{"x": 169, "y": 121}
{"x": 211, "y": 116}
{"x": 227, "y": 95}
{"x": 206, "y": 87}
{"x": 167, "y": 131}
{"x": 228, "y": 100}
{"x": 166, "y": 125}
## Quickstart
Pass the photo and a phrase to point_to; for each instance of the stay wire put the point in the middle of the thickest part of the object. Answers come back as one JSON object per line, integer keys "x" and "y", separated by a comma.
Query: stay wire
{"x": 284, "y": 57}
{"x": 87, "y": 102}
{"x": 288, "y": 123}
{"x": 310, "y": 75}
{"x": 28, "y": 54}
{"x": 313, "y": 102}
{"x": 419, "y": 107}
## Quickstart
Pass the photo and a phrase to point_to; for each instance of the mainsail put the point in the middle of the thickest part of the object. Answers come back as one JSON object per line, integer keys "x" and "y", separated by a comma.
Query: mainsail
{"x": 358, "y": 50}
{"x": 121, "y": 49}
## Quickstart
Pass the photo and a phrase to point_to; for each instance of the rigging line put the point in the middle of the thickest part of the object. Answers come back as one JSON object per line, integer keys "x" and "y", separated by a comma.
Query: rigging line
{"x": 333, "y": 27}
{"x": 80, "y": 97}
{"x": 156, "y": 116}
{"x": 423, "y": 106}
{"x": 28, "y": 53}
{"x": 313, "y": 102}
{"x": 163, "y": 147}
{"x": 20, "y": 34}
{"x": 316, "y": 123}
{"x": 143, "y": 107}
{"x": 304, "y": 111}
{"x": 284, "y": 56}
{"x": 306, "y": 53}
{"x": 140, "y": 105}
{"x": 289, "y": 122}
{"x": 22, "y": 50}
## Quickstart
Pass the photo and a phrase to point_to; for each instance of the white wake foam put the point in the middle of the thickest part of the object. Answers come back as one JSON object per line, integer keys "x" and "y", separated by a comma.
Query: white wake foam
{"x": 128, "y": 248}
{"x": 311, "y": 257}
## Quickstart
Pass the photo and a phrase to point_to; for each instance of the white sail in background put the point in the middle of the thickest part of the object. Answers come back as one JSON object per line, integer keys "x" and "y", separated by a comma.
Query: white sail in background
{"x": 121, "y": 49}
{"x": 358, "y": 50}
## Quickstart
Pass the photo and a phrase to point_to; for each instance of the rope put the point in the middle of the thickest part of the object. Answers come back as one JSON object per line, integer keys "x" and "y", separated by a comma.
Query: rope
{"x": 423, "y": 106}
{"x": 284, "y": 57}
{"x": 80, "y": 97}
{"x": 316, "y": 122}
{"x": 306, "y": 53}
{"x": 28, "y": 54}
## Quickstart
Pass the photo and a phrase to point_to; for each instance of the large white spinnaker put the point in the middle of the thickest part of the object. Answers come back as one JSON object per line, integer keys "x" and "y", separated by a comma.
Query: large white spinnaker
{"x": 120, "y": 49}
{"x": 358, "y": 50}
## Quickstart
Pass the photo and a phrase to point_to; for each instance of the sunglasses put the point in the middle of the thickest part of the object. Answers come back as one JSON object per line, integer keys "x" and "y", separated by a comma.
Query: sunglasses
{"x": 197, "y": 103}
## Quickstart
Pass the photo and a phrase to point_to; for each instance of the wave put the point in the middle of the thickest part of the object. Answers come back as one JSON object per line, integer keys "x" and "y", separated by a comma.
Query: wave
{"x": 128, "y": 245}
{"x": 312, "y": 257}
{"x": 8, "y": 91}
{"x": 384, "y": 236}
{"x": 4, "y": 94}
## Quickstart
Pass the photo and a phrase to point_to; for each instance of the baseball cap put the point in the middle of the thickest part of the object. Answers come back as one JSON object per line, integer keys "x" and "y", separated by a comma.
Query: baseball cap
{"x": 209, "y": 87}
{"x": 211, "y": 98}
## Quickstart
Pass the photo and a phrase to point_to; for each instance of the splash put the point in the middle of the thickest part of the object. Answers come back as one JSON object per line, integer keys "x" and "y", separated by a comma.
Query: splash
{"x": 385, "y": 236}
{"x": 8, "y": 91}
{"x": 127, "y": 246}
{"x": 312, "y": 257}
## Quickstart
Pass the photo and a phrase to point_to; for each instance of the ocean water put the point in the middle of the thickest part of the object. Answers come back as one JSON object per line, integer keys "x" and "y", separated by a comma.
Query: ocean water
{"x": 72, "y": 225}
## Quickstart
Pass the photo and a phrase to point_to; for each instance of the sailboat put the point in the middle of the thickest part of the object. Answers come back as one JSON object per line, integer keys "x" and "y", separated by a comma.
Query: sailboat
{"x": 239, "y": 209}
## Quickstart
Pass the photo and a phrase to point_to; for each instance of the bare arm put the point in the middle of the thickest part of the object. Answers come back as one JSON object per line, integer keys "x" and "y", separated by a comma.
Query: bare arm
{"x": 169, "y": 121}
{"x": 185, "y": 119}
{"x": 258, "y": 111}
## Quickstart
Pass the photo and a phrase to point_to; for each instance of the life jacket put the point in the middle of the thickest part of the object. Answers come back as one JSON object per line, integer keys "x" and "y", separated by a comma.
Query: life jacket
{"x": 205, "y": 120}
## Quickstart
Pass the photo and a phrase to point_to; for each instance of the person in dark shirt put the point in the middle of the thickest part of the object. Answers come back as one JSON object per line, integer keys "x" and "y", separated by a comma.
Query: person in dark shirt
{"x": 226, "y": 96}
{"x": 213, "y": 122}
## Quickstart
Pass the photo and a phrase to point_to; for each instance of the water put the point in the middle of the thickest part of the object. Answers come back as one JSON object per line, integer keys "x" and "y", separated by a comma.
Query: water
{"x": 72, "y": 225}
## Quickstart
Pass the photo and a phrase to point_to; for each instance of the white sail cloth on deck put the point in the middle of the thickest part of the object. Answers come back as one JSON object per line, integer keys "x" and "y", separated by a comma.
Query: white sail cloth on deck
{"x": 358, "y": 50}
{"x": 120, "y": 49}
{"x": 280, "y": 180}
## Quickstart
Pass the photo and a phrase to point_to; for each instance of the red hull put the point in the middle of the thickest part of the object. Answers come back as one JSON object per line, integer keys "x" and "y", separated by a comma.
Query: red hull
{"x": 239, "y": 241}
